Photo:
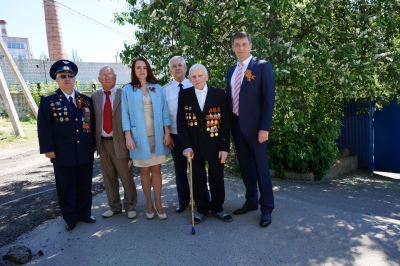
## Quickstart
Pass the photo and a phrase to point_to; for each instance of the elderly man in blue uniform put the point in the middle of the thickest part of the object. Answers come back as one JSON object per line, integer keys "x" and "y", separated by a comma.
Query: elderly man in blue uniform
{"x": 203, "y": 126}
{"x": 66, "y": 137}
{"x": 250, "y": 88}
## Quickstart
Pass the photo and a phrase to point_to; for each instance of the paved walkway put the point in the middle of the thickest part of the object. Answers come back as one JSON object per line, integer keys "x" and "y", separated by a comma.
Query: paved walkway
{"x": 354, "y": 221}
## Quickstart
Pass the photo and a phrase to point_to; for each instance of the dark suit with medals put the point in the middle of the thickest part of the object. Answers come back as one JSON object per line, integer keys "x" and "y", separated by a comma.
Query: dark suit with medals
{"x": 206, "y": 133}
{"x": 256, "y": 105}
{"x": 69, "y": 133}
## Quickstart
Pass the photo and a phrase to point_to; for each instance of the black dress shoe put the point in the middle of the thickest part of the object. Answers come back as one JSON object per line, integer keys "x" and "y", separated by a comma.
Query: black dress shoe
{"x": 180, "y": 208}
{"x": 245, "y": 208}
{"x": 89, "y": 220}
{"x": 70, "y": 227}
{"x": 265, "y": 219}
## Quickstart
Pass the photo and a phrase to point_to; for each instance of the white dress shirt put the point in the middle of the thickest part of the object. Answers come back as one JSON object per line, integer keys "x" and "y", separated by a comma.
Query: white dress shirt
{"x": 72, "y": 95}
{"x": 171, "y": 92}
{"x": 201, "y": 96}
{"x": 112, "y": 98}
{"x": 244, "y": 68}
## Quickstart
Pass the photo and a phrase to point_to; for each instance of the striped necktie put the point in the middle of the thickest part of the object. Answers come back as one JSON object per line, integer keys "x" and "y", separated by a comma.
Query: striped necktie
{"x": 238, "y": 83}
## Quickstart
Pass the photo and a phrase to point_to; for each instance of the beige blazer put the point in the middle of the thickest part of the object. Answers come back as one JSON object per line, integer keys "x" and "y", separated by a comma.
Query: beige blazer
{"x": 118, "y": 135}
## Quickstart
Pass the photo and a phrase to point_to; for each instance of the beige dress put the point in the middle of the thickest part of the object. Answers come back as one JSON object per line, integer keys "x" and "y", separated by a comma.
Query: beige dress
{"x": 148, "y": 117}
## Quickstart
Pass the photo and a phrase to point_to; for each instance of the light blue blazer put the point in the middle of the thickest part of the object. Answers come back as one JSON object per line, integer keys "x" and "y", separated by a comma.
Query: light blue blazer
{"x": 133, "y": 120}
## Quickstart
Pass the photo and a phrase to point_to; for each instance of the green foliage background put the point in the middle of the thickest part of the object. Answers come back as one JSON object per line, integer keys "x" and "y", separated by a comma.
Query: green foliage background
{"x": 324, "y": 52}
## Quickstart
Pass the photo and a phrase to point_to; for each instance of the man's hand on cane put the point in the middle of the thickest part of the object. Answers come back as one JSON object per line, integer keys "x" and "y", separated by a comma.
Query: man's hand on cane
{"x": 188, "y": 153}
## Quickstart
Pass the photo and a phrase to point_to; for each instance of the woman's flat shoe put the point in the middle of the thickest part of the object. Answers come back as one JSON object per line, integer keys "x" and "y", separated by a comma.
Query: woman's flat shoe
{"x": 150, "y": 216}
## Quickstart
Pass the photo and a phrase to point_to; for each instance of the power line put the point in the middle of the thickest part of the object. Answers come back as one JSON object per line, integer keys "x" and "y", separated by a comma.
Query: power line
{"x": 94, "y": 21}
{"x": 76, "y": 13}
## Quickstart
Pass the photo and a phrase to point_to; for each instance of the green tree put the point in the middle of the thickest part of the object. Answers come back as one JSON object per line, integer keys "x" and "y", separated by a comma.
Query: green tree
{"x": 43, "y": 56}
{"x": 74, "y": 56}
{"x": 77, "y": 85}
{"x": 324, "y": 52}
{"x": 96, "y": 86}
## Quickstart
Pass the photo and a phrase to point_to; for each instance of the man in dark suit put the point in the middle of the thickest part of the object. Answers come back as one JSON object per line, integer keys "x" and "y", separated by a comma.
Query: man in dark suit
{"x": 250, "y": 88}
{"x": 110, "y": 143}
{"x": 203, "y": 124}
{"x": 66, "y": 136}
{"x": 177, "y": 67}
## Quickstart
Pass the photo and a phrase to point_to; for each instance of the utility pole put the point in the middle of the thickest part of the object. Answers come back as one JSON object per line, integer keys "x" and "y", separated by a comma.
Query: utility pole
{"x": 12, "y": 113}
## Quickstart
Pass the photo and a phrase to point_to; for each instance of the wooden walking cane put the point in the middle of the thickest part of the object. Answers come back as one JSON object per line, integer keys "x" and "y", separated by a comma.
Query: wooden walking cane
{"x": 191, "y": 192}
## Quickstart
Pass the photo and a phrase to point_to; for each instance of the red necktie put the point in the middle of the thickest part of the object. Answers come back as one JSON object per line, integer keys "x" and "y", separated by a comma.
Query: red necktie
{"x": 107, "y": 115}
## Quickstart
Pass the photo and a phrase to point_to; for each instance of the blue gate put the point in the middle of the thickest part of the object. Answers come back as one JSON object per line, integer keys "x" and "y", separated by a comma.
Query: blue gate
{"x": 356, "y": 134}
{"x": 387, "y": 138}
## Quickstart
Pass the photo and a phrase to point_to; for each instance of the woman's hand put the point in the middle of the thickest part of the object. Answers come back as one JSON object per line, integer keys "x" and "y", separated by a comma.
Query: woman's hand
{"x": 130, "y": 144}
{"x": 167, "y": 140}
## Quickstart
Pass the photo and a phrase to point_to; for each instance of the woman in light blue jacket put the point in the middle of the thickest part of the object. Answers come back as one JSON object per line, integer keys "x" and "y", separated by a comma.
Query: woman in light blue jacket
{"x": 146, "y": 121}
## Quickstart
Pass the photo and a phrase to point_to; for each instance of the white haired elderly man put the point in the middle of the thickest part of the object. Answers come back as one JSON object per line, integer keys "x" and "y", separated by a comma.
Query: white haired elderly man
{"x": 203, "y": 126}
{"x": 178, "y": 68}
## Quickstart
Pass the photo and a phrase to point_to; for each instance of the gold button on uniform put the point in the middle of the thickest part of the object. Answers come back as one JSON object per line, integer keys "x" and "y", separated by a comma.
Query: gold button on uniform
{"x": 77, "y": 141}
{"x": 77, "y": 130}
{"x": 76, "y": 119}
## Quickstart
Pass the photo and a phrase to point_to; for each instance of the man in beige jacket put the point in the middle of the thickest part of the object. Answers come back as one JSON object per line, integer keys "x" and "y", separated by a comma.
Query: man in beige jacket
{"x": 110, "y": 143}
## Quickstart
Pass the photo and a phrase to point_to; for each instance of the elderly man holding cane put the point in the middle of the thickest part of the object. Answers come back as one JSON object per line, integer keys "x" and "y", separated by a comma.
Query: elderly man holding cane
{"x": 203, "y": 126}
{"x": 177, "y": 67}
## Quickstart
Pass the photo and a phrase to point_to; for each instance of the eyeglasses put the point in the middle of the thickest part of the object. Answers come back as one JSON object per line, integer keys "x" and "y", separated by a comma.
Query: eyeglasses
{"x": 177, "y": 66}
{"x": 107, "y": 76}
{"x": 65, "y": 76}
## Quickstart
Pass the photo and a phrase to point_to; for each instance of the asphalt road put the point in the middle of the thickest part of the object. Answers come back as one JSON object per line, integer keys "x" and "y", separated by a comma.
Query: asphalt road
{"x": 27, "y": 192}
{"x": 351, "y": 221}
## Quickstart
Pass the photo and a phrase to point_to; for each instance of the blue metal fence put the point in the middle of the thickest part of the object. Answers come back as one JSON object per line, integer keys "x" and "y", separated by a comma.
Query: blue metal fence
{"x": 387, "y": 138}
{"x": 356, "y": 134}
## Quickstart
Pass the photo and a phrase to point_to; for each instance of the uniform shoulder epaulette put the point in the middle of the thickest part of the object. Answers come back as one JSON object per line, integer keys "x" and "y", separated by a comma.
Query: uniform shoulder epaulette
{"x": 49, "y": 94}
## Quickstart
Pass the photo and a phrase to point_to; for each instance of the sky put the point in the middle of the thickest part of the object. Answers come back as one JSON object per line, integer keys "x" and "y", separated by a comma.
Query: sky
{"x": 94, "y": 43}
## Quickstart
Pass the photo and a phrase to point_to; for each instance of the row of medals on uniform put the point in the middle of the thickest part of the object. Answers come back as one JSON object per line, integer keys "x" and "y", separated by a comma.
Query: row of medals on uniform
{"x": 57, "y": 108}
{"x": 213, "y": 119}
{"x": 59, "y": 111}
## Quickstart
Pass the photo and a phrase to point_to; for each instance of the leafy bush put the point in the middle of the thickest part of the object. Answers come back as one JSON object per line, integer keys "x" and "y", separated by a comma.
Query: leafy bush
{"x": 323, "y": 53}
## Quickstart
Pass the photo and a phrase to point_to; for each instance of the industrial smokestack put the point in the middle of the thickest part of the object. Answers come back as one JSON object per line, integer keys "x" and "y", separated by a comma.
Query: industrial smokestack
{"x": 3, "y": 26}
{"x": 55, "y": 41}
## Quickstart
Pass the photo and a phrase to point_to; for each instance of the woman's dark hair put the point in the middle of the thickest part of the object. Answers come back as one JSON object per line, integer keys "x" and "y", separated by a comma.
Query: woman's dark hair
{"x": 150, "y": 76}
